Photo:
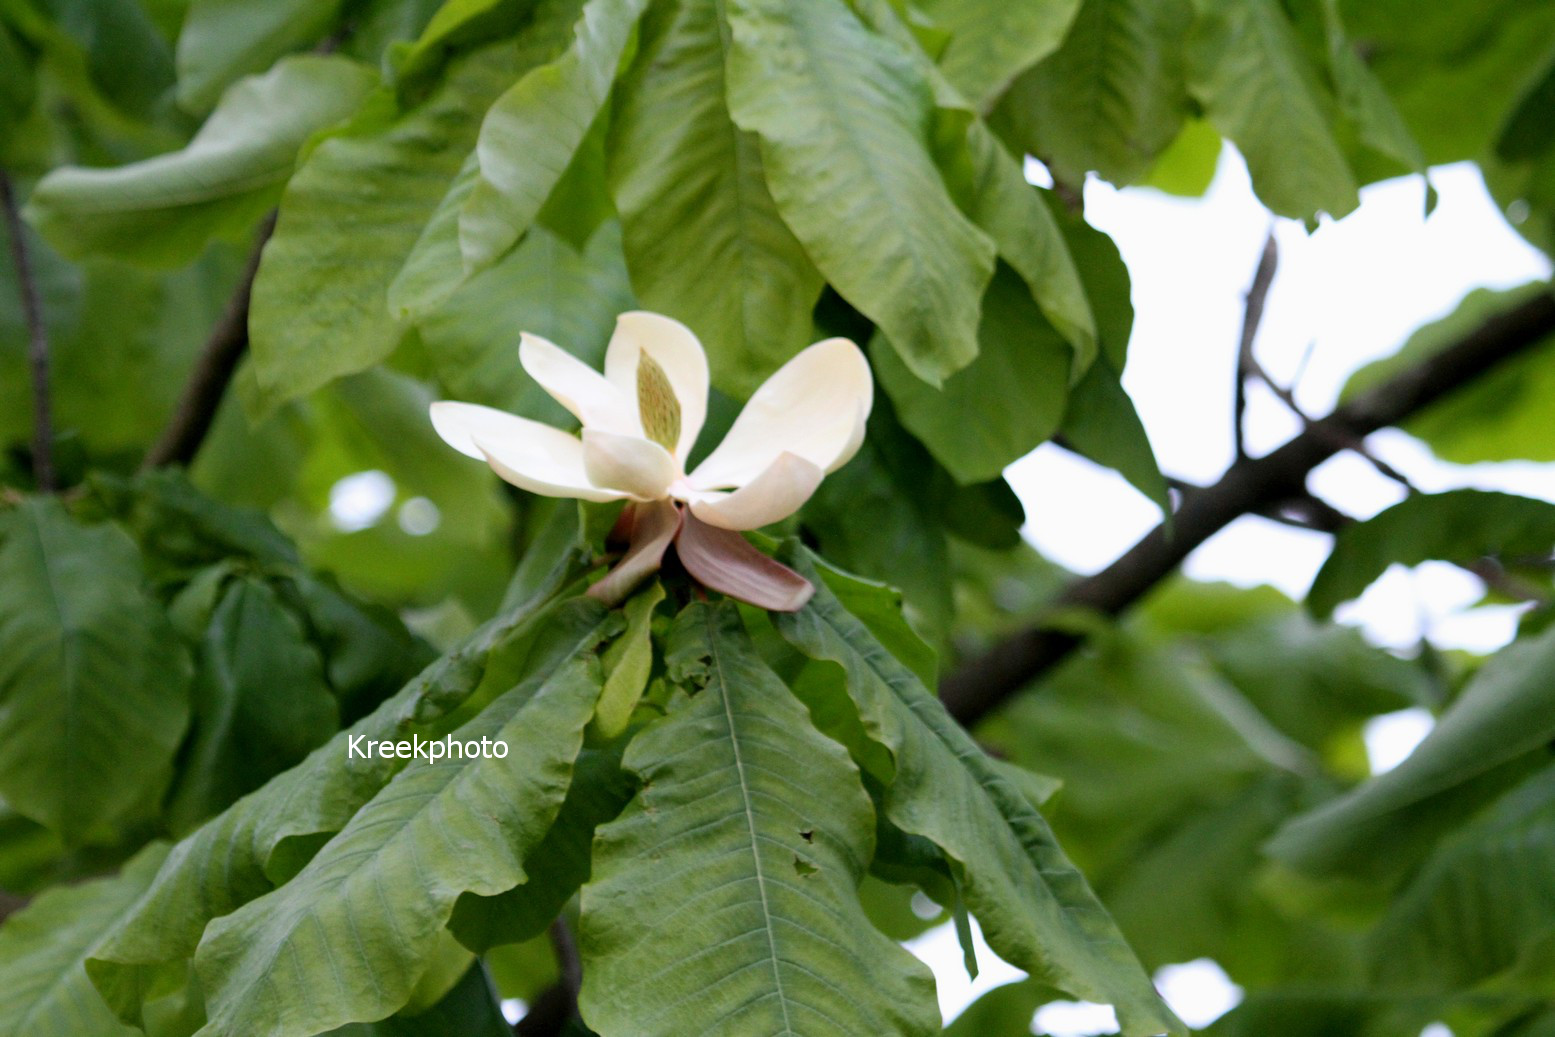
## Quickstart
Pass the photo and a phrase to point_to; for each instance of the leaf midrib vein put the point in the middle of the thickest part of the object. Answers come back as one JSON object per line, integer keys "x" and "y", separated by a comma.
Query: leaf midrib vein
{"x": 750, "y": 823}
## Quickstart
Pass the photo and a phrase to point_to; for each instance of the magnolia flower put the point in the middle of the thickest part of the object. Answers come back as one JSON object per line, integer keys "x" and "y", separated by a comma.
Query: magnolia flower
{"x": 640, "y": 420}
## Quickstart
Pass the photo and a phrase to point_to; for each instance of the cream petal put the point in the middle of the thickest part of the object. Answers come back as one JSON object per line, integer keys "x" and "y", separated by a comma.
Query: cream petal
{"x": 589, "y": 395}
{"x": 775, "y": 494}
{"x": 460, "y": 424}
{"x": 529, "y": 455}
{"x": 637, "y": 466}
{"x": 675, "y": 349}
{"x": 813, "y": 406}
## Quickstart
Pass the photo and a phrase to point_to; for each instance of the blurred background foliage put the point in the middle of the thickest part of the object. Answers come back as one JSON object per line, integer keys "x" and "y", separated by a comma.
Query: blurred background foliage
{"x": 447, "y": 174}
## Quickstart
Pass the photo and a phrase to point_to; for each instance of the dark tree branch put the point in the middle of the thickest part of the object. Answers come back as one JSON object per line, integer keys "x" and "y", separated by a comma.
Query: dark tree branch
{"x": 567, "y": 958}
{"x": 554, "y": 1009}
{"x": 1249, "y": 486}
{"x": 1344, "y": 440}
{"x": 37, "y": 340}
{"x": 213, "y": 371}
{"x": 1252, "y": 315}
{"x": 549, "y": 1015}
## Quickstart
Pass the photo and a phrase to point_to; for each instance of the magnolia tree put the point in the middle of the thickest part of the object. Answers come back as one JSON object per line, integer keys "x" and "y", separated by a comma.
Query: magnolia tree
{"x": 719, "y": 668}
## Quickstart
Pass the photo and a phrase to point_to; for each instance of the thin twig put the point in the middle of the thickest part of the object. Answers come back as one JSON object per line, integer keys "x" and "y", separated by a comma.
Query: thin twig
{"x": 37, "y": 340}
{"x": 1247, "y": 487}
{"x": 1252, "y": 316}
{"x": 218, "y": 360}
{"x": 1342, "y": 439}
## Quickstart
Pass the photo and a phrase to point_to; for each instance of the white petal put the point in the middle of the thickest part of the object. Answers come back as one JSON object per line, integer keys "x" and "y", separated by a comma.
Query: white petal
{"x": 461, "y": 423}
{"x": 529, "y": 455}
{"x": 674, "y": 348}
{"x": 591, "y": 397}
{"x": 813, "y": 406}
{"x": 775, "y": 494}
{"x": 637, "y": 466}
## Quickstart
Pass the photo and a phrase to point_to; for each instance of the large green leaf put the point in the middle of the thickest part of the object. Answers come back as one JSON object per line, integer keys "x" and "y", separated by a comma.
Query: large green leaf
{"x": 558, "y": 866}
{"x": 1502, "y": 415}
{"x": 989, "y": 183}
{"x": 260, "y": 701}
{"x": 435, "y": 267}
{"x": 94, "y": 687}
{"x": 1001, "y": 406}
{"x": 544, "y": 286}
{"x": 992, "y": 42}
{"x": 468, "y": 1010}
{"x": 1036, "y": 910}
{"x": 257, "y": 843}
{"x": 1015, "y": 215}
{"x": 44, "y": 990}
{"x": 728, "y": 874}
{"x": 1506, "y": 712}
{"x": 1102, "y": 425}
{"x": 844, "y": 115}
{"x": 1247, "y": 69}
{"x": 1457, "y": 526}
{"x": 223, "y": 40}
{"x": 343, "y": 932}
{"x": 163, "y": 210}
{"x": 1481, "y": 905}
{"x": 1365, "y": 102}
{"x": 349, "y": 217}
{"x": 1113, "y": 96}
{"x": 704, "y": 240}
{"x": 530, "y": 134}
{"x": 1457, "y": 68}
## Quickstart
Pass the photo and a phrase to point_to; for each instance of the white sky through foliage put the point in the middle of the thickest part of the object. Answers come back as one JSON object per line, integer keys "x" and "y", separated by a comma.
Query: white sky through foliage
{"x": 1352, "y": 291}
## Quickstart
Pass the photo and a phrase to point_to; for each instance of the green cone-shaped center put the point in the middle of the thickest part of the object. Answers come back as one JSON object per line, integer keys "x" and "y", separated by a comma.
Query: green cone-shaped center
{"x": 657, "y": 404}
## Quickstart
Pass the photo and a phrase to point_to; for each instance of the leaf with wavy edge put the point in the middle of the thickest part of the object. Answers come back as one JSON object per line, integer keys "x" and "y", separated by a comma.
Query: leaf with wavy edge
{"x": 703, "y": 236}
{"x": 993, "y": 41}
{"x": 348, "y": 219}
{"x": 44, "y": 991}
{"x": 349, "y": 937}
{"x": 725, "y": 897}
{"x": 164, "y": 210}
{"x": 1111, "y": 98}
{"x": 1247, "y": 68}
{"x": 246, "y": 851}
{"x": 1036, "y": 910}
{"x": 844, "y": 114}
{"x": 530, "y": 134}
{"x": 94, "y": 685}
